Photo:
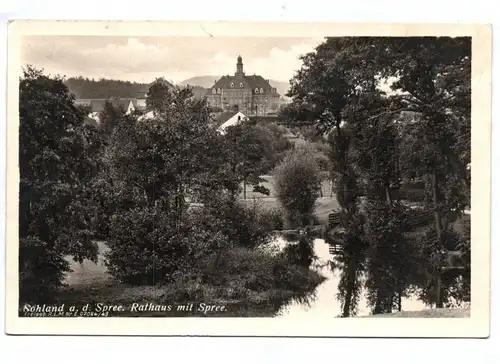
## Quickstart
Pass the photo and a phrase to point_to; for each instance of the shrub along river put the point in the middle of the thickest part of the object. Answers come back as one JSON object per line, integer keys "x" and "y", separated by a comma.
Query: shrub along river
{"x": 91, "y": 282}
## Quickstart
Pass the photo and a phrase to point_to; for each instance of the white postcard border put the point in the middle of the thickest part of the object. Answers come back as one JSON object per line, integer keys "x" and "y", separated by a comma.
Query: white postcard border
{"x": 477, "y": 325}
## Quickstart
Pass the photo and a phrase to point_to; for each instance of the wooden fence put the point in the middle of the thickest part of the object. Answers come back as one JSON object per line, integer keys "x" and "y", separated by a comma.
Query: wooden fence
{"x": 417, "y": 218}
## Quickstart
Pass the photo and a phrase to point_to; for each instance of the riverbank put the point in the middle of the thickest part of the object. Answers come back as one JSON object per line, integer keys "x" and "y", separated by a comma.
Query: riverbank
{"x": 429, "y": 313}
{"x": 252, "y": 283}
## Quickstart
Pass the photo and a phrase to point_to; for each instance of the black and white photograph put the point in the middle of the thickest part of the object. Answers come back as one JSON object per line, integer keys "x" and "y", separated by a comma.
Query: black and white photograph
{"x": 301, "y": 178}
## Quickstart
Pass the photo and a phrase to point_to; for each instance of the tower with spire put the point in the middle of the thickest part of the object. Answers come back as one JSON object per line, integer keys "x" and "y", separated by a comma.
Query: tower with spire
{"x": 252, "y": 95}
{"x": 239, "y": 67}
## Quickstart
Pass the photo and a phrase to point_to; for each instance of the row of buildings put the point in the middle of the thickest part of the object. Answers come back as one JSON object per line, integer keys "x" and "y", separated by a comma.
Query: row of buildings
{"x": 250, "y": 95}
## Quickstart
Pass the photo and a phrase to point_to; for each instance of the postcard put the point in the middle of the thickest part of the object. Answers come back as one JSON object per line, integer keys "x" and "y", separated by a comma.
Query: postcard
{"x": 248, "y": 179}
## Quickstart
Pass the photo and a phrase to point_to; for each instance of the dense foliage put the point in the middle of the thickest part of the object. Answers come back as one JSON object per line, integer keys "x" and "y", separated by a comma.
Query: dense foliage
{"x": 395, "y": 110}
{"x": 57, "y": 162}
{"x": 387, "y": 120}
{"x": 297, "y": 183}
{"x": 161, "y": 192}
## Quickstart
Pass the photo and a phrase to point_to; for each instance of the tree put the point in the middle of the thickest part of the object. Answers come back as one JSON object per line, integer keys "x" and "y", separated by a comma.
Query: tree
{"x": 338, "y": 90}
{"x": 57, "y": 161}
{"x": 248, "y": 150}
{"x": 297, "y": 183}
{"x": 158, "y": 167}
{"x": 431, "y": 73}
{"x": 109, "y": 119}
{"x": 302, "y": 252}
{"x": 321, "y": 90}
{"x": 159, "y": 93}
{"x": 273, "y": 136}
{"x": 376, "y": 157}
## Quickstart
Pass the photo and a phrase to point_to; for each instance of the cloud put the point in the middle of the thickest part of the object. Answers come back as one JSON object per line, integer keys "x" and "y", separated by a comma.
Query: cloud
{"x": 278, "y": 64}
{"x": 175, "y": 58}
{"x": 282, "y": 65}
{"x": 134, "y": 55}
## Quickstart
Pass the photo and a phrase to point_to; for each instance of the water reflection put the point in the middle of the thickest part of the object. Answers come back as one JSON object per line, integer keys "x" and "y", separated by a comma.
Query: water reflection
{"x": 323, "y": 303}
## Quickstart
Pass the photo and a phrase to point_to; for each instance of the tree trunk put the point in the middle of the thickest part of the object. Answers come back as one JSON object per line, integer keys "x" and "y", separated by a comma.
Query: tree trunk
{"x": 438, "y": 225}
{"x": 378, "y": 305}
{"x": 390, "y": 301}
{"x": 399, "y": 298}
{"x": 244, "y": 188}
{"x": 351, "y": 279}
{"x": 439, "y": 299}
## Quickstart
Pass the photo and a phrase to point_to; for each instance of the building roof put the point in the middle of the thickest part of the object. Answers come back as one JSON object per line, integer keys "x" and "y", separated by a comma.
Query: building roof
{"x": 253, "y": 82}
{"x": 83, "y": 101}
{"x": 233, "y": 120}
{"x": 141, "y": 94}
{"x": 225, "y": 116}
{"x": 147, "y": 115}
{"x": 241, "y": 81}
{"x": 97, "y": 105}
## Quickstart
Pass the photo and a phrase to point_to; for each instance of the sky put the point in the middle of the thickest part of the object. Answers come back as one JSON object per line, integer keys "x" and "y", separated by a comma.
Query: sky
{"x": 142, "y": 59}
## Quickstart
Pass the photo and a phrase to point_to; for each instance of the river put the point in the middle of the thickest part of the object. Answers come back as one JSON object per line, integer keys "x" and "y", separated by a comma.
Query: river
{"x": 325, "y": 304}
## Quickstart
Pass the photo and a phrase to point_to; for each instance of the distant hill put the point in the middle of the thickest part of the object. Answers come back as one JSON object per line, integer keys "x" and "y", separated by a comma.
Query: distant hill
{"x": 202, "y": 81}
{"x": 85, "y": 88}
{"x": 208, "y": 81}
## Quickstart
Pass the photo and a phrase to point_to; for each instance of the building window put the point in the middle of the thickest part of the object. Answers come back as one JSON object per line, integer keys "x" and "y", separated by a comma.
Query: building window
{"x": 232, "y": 84}
{"x": 261, "y": 90}
{"x": 241, "y": 84}
{"x": 256, "y": 90}
{"x": 214, "y": 91}
{"x": 218, "y": 90}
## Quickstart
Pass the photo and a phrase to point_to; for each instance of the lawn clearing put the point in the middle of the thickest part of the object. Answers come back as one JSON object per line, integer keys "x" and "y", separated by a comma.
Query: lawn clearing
{"x": 324, "y": 205}
{"x": 325, "y": 188}
{"x": 89, "y": 274}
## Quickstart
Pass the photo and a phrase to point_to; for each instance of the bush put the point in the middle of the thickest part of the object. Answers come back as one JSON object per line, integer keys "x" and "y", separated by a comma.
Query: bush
{"x": 275, "y": 217}
{"x": 251, "y": 267}
{"x": 294, "y": 278}
{"x": 301, "y": 253}
{"x": 146, "y": 246}
{"x": 256, "y": 270}
{"x": 247, "y": 225}
{"x": 41, "y": 270}
{"x": 297, "y": 183}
